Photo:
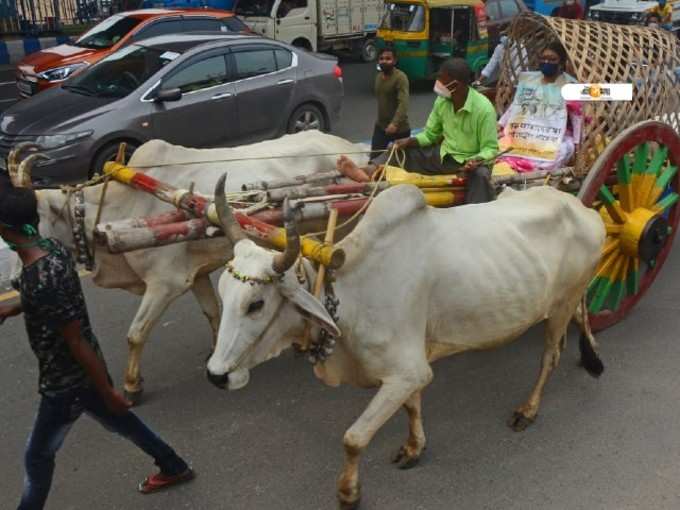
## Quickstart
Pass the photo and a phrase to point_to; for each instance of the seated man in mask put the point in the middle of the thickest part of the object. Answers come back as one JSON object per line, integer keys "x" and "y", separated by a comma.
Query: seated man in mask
{"x": 460, "y": 136}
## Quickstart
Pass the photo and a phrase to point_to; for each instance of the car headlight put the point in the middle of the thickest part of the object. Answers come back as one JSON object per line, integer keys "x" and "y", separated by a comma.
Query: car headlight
{"x": 636, "y": 16}
{"x": 56, "y": 141}
{"x": 594, "y": 14}
{"x": 61, "y": 73}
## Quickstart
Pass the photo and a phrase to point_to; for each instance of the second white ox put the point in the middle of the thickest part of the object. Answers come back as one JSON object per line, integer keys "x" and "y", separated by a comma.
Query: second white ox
{"x": 161, "y": 275}
{"x": 418, "y": 284}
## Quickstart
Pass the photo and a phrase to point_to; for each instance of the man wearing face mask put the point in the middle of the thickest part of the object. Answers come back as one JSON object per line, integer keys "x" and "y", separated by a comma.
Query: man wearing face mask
{"x": 392, "y": 95}
{"x": 653, "y": 21}
{"x": 570, "y": 9}
{"x": 460, "y": 136}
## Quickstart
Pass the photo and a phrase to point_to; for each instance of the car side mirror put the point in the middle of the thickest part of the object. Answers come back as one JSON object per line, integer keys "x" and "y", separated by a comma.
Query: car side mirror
{"x": 168, "y": 95}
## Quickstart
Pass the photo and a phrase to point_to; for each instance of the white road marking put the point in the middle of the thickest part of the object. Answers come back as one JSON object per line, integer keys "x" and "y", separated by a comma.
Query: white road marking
{"x": 8, "y": 100}
{"x": 2, "y": 83}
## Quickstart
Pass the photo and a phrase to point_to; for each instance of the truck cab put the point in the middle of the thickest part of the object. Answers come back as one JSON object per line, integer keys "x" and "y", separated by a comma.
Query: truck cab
{"x": 316, "y": 25}
{"x": 630, "y": 12}
{"x": 289, "y": 21}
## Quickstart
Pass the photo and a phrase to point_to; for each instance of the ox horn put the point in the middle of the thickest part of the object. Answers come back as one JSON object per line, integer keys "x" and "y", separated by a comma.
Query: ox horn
{"x": 23, "y": 174}
{"x": 13, "y": 167}
{"x": 284, "y": 261}
{"x": 231, "y": 227}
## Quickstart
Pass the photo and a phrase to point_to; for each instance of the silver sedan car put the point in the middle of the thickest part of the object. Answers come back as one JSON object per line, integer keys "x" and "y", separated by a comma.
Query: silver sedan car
{"x": 196, "y": 90}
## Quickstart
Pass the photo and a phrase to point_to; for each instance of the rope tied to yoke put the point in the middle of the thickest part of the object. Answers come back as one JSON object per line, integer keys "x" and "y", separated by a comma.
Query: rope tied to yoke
{"x": 394, "y": 152}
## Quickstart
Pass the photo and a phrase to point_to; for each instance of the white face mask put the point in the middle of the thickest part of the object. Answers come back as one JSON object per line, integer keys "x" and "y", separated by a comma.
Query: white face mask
{"x": 441, "y": 90}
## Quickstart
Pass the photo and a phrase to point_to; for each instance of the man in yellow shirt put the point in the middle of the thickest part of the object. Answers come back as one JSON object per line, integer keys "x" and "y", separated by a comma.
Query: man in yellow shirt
{"x": 665, "y": 12}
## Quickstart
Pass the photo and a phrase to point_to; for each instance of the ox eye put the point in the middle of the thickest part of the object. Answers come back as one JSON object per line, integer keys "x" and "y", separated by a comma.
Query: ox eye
{"x": 255, "y": 306}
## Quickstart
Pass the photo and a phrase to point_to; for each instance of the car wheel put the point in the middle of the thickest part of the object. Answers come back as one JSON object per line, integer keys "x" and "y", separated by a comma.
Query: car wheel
{"x": 369, "y": 51}
{"x": 109, "y": 153}
{"x": 306, "y": 117}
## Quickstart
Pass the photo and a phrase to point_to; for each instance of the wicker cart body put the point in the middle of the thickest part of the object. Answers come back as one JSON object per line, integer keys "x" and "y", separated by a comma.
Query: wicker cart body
{"x": 629, "y": 151}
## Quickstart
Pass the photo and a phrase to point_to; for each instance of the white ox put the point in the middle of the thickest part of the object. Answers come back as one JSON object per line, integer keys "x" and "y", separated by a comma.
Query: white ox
{"x": 418, "y": 284}
{"x": 163, "y": 274}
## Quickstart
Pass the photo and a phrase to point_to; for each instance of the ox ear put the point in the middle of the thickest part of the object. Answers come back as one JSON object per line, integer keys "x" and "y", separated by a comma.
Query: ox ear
{"x": 310, "y": 306}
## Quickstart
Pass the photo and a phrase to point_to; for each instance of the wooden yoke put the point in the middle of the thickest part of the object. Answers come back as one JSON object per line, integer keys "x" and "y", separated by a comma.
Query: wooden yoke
{"x": 200, "y": 207}
{"x": 120, "y": 157}
{"x": 321, "y": 273}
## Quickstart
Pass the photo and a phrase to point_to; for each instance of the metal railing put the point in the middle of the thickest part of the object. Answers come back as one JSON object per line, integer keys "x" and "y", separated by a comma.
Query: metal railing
{"x": 39, "y": 17}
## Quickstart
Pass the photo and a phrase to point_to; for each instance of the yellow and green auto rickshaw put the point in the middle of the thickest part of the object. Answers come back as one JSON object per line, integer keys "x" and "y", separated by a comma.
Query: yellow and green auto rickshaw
{"x": 426, "y": 32}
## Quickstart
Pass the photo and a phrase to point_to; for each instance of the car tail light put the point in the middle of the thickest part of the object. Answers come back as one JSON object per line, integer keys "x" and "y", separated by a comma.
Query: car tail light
{"x": 337, "y": 71}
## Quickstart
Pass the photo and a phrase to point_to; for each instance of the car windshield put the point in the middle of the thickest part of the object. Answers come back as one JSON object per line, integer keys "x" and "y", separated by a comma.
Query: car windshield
{"x": 254, "y": 7}
{"x": 121, "y": 73}
{"x": 404, "y": 17}
{"x": 108, "y": 32}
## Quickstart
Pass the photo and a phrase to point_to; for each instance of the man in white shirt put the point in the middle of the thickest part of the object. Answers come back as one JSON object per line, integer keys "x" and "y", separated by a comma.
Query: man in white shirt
{"x": 491, "y": 72}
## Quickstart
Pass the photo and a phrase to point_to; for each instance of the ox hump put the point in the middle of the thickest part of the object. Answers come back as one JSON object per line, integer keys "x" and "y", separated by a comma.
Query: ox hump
{"x": 388, "y": 210}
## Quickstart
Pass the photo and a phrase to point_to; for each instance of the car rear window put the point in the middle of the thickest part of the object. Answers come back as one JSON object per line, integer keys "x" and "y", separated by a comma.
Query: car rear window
{"x": 201, "y": 25}
{"x": 284, "y": 58}
{"x": 163, "y": 27}
{"x": 254, "y": 62}
{"x": 234, "y": 24}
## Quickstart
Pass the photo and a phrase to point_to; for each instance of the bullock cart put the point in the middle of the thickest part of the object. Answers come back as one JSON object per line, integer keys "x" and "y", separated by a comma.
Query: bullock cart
{"x": 627, "y": 160}
{"x": 625, "y": 166}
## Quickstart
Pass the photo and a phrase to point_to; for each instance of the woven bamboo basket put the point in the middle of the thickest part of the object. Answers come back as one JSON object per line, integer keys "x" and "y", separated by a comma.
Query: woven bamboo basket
{"x": 600, "y": 53}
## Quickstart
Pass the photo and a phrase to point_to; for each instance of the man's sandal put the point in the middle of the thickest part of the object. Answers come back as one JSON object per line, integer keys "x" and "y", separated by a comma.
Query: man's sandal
{"x": 160, "y": 481}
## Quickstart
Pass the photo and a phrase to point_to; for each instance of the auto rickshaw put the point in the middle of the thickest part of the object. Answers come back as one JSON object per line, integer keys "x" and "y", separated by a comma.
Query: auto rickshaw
{"x": 427, "y": 32}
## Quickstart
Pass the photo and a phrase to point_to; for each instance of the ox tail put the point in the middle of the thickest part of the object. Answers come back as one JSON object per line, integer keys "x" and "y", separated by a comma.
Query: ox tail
{"x": 587, "y": 345}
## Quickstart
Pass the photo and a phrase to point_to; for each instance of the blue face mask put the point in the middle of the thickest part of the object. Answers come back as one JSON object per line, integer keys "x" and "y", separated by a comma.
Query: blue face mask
{"x": 549, "y": 69}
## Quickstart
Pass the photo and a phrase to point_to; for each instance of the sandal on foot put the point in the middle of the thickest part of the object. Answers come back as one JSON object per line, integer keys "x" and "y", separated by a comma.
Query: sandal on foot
{"x": 161, "y": 481}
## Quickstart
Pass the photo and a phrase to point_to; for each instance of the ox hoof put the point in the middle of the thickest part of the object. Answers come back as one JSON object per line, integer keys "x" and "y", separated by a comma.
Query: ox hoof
{"x": 134, "y": 396}
{"x": 404, "y": 459}
{"x": 518, "y": 422}
{"x": 347, "y": 505}
{"x": 349, "y": 498}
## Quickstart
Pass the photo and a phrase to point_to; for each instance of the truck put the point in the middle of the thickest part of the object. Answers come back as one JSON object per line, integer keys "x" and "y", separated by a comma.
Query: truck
{"x": 317, "y": 25}
{"x": 630, "y": 12}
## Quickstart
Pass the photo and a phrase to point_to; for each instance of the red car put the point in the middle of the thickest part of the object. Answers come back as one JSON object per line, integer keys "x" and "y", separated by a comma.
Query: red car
{"x": 49, "y": 67}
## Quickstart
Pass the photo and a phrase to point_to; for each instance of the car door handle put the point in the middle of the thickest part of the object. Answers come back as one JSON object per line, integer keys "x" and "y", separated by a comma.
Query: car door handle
{"x": 222, "y": 96}
{"x": 284, "y": 82}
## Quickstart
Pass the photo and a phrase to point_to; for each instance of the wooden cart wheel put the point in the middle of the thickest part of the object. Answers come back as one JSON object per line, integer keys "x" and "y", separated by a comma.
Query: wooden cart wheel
{"x": 634, "y": 185}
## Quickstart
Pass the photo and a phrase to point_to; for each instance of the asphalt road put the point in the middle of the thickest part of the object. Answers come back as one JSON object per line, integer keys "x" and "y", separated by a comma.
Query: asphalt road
{"x": 607, "y": 444}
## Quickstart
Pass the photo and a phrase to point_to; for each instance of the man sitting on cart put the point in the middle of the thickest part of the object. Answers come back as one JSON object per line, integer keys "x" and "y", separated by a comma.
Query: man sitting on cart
{"x": 460, "y": 136}
{"x": 540, "y": 129}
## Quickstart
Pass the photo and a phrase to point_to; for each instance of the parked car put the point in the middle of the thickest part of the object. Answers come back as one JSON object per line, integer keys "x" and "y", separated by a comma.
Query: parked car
{"x": 49, "y": 67}
{"x": 196, "y": 90}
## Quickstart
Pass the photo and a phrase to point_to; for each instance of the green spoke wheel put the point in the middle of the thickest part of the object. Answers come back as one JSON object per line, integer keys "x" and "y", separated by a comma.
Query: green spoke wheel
{"x": 634, "y": 185}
